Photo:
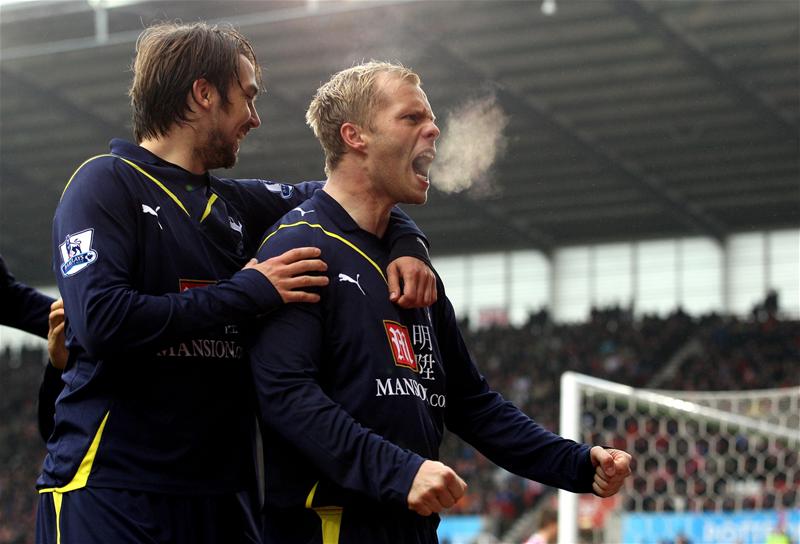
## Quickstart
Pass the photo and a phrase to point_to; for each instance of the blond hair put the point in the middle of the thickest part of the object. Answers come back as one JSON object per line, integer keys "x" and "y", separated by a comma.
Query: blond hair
{"x": 350, "y": 96}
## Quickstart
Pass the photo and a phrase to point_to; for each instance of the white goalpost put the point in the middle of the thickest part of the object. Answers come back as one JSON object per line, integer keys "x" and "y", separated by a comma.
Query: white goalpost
{"x": 709, "y": 452}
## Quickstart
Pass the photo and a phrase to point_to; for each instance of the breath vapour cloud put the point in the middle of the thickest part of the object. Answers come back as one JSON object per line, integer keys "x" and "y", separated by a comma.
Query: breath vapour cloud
{"x": 471, "y": 141}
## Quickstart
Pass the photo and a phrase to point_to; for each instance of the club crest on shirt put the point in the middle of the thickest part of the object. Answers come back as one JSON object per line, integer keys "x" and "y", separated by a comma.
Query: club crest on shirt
{"x": 76, "y": 252}
{"x": 400, "y": 344}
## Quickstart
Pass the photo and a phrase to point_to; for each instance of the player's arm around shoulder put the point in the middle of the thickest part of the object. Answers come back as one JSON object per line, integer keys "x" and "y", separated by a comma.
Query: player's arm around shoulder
{"x": 275, "y": 197}
{"x": 410, "y": 275}
{"x": 261, "y": 202}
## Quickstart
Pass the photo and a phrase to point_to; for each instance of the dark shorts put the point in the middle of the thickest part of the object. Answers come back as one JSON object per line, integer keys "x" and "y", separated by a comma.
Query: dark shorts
{"x": 119, "y": 516}
{"x": 332, "y": 525}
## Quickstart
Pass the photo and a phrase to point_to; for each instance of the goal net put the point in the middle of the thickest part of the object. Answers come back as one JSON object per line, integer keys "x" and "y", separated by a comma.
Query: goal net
{"x": 708, "y": 467}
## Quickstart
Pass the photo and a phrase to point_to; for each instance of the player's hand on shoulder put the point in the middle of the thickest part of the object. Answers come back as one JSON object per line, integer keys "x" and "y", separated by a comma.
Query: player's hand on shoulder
{"x": 436, "y": 487}
{"x": 56, "y": 341}
{"x": 611, "y": 468}
{"x": 412, "y": 284}
{"x": 294, "y": 271}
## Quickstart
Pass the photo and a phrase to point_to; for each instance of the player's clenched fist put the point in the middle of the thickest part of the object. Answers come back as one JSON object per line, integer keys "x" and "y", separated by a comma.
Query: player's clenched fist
{"x": 436, "y": 487}
{"x": 611, "y": 468}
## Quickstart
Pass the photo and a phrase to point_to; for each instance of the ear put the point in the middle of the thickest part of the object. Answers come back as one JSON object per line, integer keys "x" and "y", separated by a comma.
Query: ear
{"x": 353, "y": 136}
{"x": 203, "y": 93}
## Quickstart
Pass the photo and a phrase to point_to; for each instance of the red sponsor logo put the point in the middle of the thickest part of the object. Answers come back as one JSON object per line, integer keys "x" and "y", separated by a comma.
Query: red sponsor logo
{"x": 400, "y": 344}
{"x": 191, "y": 284}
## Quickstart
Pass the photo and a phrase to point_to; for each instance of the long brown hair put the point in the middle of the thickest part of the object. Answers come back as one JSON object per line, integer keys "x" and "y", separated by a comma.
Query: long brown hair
{"x": 170, "y": 57}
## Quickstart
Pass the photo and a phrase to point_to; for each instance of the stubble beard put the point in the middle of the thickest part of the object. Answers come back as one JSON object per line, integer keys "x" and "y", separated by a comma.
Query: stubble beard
{"x": 218, "y": 152}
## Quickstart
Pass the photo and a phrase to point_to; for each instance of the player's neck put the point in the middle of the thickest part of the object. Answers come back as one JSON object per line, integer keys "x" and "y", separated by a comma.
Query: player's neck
{"x": 176, "y": 148}
{"x": 353, "y": 193}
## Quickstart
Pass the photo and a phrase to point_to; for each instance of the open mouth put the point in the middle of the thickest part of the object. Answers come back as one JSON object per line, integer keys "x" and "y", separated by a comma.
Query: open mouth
{"x": 422, "y": 163}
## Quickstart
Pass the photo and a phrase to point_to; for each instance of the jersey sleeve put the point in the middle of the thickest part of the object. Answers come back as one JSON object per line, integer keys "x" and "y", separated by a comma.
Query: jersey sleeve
{"x": 497, "y": 428}
{"x": 21, "y": 306}
{"x": 262, "y": 203}
{"x": 406, "y": 238}
{"x": 95, "y": 254}
{"x": 286, "y": 363}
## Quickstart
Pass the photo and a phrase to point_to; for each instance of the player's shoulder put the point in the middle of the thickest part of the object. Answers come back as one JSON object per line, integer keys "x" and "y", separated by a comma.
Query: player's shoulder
{"x": 97, "y": 175}
{"x": 300, "y": 224}
{"x": 100, "y": 163}
{"x": 300, "y": 227}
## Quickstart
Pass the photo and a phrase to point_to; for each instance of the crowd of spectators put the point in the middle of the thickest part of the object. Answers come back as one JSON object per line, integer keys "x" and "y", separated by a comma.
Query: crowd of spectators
{"x": 752, "y": 354}
{"x": 21, "y": 447}
{"x": 523, "y": 363}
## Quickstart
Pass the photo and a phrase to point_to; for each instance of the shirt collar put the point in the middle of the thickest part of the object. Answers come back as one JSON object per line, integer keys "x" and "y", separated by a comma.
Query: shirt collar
{"x": 129, "y": 150}
{"x": 334, "y": 211}
{"x": 137, "y": 153}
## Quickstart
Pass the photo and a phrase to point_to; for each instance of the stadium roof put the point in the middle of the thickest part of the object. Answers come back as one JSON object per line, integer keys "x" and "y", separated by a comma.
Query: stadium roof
{"x": 624, "y": 119}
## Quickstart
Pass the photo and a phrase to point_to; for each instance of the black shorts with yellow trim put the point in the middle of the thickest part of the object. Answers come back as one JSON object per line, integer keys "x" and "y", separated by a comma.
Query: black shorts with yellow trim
{"x": 102, "y": 515}
{"x": 348, "y": 525}
{"x": 330, "y": 517}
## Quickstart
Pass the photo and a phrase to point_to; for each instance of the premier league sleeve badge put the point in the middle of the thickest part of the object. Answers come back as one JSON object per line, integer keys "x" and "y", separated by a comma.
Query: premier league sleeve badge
{"x": 77, "y": 252}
